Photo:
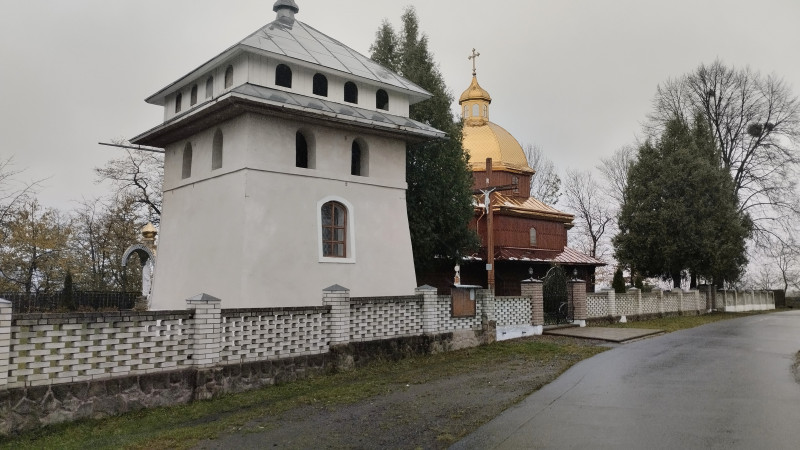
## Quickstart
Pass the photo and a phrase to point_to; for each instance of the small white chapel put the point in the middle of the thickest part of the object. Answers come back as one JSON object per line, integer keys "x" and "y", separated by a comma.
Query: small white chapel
{"x": 284, "y": 173}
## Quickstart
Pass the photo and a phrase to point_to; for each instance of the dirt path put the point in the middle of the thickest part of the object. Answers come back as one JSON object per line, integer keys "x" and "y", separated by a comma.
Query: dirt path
{"x": 430, "y": 415}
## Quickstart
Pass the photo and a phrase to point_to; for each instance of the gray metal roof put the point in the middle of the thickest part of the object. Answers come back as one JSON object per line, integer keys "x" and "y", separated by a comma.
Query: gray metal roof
{"x": 268, "y": 99}
{"x": 294, "y": 39}
{"x": 343, "y": 111}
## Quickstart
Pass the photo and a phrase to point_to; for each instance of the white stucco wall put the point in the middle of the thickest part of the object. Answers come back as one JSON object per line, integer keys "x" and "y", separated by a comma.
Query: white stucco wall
{"x": 249, "y": 233}
{"x": 260, "y": 70}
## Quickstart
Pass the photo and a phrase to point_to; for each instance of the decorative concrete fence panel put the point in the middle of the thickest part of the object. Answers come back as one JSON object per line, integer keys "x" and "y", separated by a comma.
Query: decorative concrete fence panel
{"x": 512, "y": 311}
{"x": 384, "y": 318}
{"x": 598, "y": 304}
{"x": 64, "y": 348}
{"x": 651, "y": 302}
{"x": 627, "y": 304}
{"x": 259, "y": 334}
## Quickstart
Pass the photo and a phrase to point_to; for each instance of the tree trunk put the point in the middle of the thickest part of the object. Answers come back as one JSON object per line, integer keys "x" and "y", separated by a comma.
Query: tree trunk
{"x": 676, "y": 279}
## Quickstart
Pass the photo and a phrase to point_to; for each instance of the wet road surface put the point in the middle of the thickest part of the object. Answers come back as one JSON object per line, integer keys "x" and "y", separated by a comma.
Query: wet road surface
{"x": 726, "y": 385}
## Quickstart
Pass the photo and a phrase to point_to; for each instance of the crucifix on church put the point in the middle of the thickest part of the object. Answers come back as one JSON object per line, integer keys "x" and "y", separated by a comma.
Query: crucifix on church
{"x": 487, "y": 202}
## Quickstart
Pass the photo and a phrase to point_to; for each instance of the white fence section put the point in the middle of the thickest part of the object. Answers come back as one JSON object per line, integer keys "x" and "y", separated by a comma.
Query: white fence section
{"x": 635, "y": 303}
{"x": 45, "y": 349}
{"x": 743, "y": 301}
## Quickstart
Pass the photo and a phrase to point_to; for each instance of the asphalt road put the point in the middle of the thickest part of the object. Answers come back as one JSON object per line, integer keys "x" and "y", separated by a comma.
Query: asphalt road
{"x": 726, "y": 385}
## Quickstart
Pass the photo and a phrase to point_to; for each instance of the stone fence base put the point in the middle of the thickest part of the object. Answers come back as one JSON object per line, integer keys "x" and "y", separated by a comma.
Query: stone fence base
{"x": 28, "y": 408}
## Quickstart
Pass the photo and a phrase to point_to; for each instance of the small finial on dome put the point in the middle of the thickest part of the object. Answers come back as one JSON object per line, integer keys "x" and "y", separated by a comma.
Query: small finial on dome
{"x": 286, "y": 9}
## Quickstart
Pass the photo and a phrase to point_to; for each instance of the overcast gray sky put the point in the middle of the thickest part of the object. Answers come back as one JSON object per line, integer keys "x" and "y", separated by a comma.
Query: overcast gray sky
{"x": 573, "y": 76}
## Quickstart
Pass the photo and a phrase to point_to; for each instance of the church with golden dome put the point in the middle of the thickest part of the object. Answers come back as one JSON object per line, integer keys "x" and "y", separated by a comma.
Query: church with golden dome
{"x": 522, "y": 232}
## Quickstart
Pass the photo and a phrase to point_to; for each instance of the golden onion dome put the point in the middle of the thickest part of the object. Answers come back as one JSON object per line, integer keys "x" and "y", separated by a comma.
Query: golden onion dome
{"x": 475, "y": 92}
{"x": 493, "y": 141}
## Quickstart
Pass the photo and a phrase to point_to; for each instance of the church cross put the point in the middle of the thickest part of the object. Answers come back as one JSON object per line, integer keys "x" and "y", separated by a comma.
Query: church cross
{"x": 474, "y": 57}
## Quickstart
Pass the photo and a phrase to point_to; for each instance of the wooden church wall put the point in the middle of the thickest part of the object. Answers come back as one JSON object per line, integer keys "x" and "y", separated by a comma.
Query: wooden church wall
{"x": 501, "y": 179}
{"x": 515, "y": 232}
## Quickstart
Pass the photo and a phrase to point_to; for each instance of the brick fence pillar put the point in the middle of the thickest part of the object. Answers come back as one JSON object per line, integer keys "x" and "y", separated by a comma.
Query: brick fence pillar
{"x": 532, "y": 289}
{"x": 5, "y": 341}
{"x": 338, "y": 298}
{"x": 206, "y": 341}
{"x": 577, "y": 289}
{"x": 612, "y": 303}
{"x": 430, "y": 321}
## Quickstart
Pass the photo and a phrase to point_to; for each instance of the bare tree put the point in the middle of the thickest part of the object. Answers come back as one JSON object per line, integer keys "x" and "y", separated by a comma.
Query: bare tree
{"x": 615, "y": 171}
{"x": 545, "y": 183}
{"x": 756, "y": 125}
{"x": 13, "y": 192}
{"x": 139, "y": 175}
{"x": 103, "y": 230}
{"x": 784, "y": 254}
{"x": 593, "y": 216}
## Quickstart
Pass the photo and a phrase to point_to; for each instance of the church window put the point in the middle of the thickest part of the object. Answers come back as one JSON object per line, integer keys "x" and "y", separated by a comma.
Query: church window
{"x": 382, "y": 100}
{"x": 178, "y": 101}
{"x": 476, "y": 111}
{"x": 533, "y": 237}
{"x": 193, "y": 97}
{"x": 485, "y": 111}
{"x": 359, "y": 160}
{"x": 301, "y": 151}
{"x": 186, "y": 170}
{"x": 216, "y": 151}
{"x": 209, "y": 87}
{"x": 320, "y": 85}
{"x": 350, "y": 92}
{"x": 228, "y": 77}
{"x": 515, "y": 183}
{"x": 283, "y": 76}
{"x": 334, "y": 230}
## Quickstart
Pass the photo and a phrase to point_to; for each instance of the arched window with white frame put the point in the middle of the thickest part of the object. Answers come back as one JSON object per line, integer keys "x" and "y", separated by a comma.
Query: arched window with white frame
{"x": 336, "y": 231}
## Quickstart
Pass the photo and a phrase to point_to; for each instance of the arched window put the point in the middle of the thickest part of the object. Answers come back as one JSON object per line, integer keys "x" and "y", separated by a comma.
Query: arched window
{"x": 178, "y": 101}
{"x": 334, "y": 230}
{"x": 301, "y": 151}
{"x": 320, "y": 85}
{"x": 382, "y": 100}
{"x": 193, "y": 97}
{"x": 357, "y": 160}
{"x": 216, "y": 151}
{"x": 476, "y": 110}
{"x": 210, "y": 87}
{"x": 350, "y": 92}
{"x": 228, "y": 77}
{"x": 186, "y": 170}
{"x": 533, "y": 237}
{"x": 283, "y": 76}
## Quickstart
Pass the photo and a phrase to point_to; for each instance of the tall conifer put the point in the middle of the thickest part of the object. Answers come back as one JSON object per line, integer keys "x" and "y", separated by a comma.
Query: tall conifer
{"x": 439, "y": 196}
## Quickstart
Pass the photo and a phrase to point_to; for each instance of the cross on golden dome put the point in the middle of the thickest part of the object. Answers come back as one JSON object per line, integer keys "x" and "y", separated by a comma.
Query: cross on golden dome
{"x": 474, "y": 57}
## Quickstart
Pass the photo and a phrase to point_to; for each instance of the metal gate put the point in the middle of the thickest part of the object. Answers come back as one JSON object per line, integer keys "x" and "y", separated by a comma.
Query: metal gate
{"x": 558, "y": 305}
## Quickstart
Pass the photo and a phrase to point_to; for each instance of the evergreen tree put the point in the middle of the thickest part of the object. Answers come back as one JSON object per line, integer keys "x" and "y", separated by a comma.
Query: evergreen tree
{"x": 68, "y": 293}
{"x": 619, "y": 282}
{"x": 439, "y": 196}
{"x": 680, "y": 212}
